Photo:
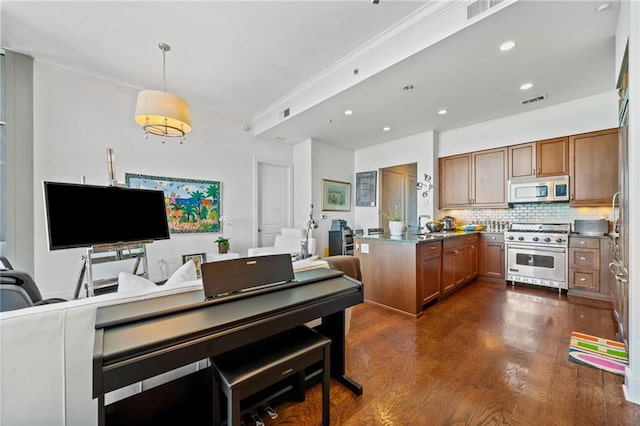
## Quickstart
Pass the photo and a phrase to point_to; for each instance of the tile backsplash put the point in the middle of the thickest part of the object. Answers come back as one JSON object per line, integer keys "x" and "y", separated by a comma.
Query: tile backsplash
{"x": 531, "y": 212}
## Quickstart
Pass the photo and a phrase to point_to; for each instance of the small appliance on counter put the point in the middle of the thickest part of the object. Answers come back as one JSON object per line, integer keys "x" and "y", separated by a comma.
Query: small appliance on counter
{"x": 449, "y": 224}
{"x": 593, "y": 228}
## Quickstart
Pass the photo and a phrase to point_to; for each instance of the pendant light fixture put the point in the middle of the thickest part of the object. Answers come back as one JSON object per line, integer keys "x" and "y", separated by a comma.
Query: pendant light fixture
{"x": 162, "y": 113}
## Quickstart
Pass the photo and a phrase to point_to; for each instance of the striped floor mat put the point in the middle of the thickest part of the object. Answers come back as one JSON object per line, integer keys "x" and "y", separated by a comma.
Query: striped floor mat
{"x": 605, "y": 354}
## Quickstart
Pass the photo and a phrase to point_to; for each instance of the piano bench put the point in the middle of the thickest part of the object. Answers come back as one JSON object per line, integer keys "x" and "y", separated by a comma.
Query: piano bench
{"x": 249, "y": 369}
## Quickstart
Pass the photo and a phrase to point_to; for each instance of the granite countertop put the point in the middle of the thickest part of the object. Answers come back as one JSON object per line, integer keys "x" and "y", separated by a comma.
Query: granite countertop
{"x": 416, "y": 239}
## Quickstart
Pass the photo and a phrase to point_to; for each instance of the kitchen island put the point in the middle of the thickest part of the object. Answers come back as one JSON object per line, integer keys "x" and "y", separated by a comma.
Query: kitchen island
{"x": 407, "y": 272}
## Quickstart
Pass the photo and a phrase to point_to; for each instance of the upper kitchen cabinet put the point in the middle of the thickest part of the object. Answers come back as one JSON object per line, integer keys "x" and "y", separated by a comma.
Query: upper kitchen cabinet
{"x": 455, "y": 181}
{"x": 477, "y": 179}
{"x": 593, "y": 165}
{"x": 549, "y": 157}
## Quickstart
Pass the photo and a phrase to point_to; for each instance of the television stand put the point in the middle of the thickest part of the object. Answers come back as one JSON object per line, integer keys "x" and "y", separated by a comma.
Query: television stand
{"x": 135, "y": 253}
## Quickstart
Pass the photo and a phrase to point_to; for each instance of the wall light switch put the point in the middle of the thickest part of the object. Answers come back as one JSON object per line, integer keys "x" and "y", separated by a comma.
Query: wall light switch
{"x": 364, "y": 248}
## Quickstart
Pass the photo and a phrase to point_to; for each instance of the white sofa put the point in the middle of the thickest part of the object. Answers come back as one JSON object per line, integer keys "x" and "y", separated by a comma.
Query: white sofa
{"x": 289, "y": 241}
{"x": 46, "y": 353}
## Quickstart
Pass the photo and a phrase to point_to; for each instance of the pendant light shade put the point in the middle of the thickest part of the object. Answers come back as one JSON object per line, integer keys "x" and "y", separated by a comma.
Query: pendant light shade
{"x": 162, "y": 113}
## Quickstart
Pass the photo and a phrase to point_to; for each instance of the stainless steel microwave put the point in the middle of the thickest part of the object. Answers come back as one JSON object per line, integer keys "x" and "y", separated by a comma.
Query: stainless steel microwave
{"x": 539, "y": 190}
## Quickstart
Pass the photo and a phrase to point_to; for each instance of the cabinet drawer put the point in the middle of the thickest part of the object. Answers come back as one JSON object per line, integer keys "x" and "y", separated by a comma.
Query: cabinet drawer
{"x": 584, "y": 280}
{"x": 431, "y": 249}
{"x": 492, "y": 237}
{"x": 584, "y": 258}
{"x": 592, "y": 243}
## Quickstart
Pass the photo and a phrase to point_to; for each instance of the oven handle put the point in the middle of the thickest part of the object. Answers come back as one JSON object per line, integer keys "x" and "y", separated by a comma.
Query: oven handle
{"x": 537, "y": 248}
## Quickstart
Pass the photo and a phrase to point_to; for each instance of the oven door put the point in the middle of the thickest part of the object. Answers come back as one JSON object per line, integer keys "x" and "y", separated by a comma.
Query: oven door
{"x": 544, "y": 263}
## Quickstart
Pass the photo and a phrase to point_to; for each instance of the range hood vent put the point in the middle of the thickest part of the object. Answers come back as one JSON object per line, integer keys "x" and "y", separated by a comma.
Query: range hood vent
{"x": 480, "y": 6}
{"x": 534, "y": 99}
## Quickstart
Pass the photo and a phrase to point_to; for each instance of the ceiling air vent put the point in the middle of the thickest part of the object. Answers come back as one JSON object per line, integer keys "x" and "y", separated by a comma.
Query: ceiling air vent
{"x": 480, "y": 6}
{"x": 534, "y": 99}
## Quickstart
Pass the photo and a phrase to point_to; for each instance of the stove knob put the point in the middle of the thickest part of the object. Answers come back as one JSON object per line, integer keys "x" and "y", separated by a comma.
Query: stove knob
{"x": 520, "y": 238}
{"x": 510, "y": 238}
{"x": 559, "y": 240}
{"x": 547, "y": 240}
{"x": 536, "y": 239}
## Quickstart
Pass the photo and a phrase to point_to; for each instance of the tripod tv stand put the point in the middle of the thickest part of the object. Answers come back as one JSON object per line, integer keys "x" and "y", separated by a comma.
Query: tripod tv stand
{"x": 125, "y": 254}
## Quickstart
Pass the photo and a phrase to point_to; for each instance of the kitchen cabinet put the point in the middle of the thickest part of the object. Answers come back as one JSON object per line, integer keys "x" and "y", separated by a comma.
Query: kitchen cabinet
{"x": 491, "y": 263}
{"x": 459, "y": 262}
{"x": 593, "y": 168}
{"x": 429, "y": 270}
{"x": 549, "y": 157}
{"x": 455, "y": 181}
{"x": 477, "y": 179}
{"x": 588, "y": 267}
{"x": 400, "y": 274}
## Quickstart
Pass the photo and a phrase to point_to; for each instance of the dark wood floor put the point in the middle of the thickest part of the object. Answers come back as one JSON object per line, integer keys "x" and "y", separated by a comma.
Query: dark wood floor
{"x": 489, "y": 354}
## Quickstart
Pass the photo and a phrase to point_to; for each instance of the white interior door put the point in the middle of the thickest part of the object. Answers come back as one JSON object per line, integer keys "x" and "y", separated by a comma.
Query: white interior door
{"x": 274, "y": 201}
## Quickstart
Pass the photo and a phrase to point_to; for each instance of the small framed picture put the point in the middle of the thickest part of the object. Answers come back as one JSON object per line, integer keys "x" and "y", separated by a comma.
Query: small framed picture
{"x": 198, "y": 259}
{"x": 336, "y": 195}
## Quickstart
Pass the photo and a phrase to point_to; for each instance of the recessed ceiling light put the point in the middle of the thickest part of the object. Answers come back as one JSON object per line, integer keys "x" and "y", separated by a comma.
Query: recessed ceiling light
{"x": 408, "y": 88}
{"x": 348, "y": 112}
{"x": 386, "y": 128}
{"x": 526, "y": 86}
{"x": 507, "y": 45}
{"x": 603, "y": 6}
{"x": 329, "y": 121}
{"x": 442, "y": 111}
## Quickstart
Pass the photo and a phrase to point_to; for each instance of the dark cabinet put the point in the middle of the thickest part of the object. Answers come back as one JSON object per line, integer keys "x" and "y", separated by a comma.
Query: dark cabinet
{"x": 491, "y": 263}
{"x": 459, "y": 262}
{"x": 478, "y": 179}
{"x": 429, "y": 270}
{"x": 549, "y": 157}
{"x": 593, "y": 165}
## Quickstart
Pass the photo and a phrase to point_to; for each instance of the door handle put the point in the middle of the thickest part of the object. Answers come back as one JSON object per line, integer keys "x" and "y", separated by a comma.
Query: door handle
{"x": 259, "y": 230}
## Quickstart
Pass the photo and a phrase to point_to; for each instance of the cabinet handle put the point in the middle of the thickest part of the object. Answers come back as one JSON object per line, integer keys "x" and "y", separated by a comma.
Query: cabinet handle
{"x": 583, "y": 243}
{"x": 571, "y": 197}
{"x": 539, "y": 171}
{"x": 433, "y": 247}
{"x": 533, "y": 172}
{"x": 502, "y": 249}
{"x": 493, "y": 238}
{"x": 583, "y": 258}
{"x": 583, "y": 279}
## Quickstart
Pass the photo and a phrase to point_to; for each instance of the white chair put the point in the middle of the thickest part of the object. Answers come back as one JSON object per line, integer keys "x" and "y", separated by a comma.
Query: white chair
{"x": 289, "y": 241}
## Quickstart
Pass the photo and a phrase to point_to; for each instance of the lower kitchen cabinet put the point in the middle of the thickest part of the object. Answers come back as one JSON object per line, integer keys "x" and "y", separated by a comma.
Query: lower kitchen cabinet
{"x": 588, "y": 267}
{"x": 429, "y": 270}
{"x": 459, "y": 262}
{"x": 491, "y": 264}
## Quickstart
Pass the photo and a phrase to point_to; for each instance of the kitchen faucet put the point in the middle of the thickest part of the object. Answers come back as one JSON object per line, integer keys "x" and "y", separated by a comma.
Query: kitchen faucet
{"x": 419, "y": 225}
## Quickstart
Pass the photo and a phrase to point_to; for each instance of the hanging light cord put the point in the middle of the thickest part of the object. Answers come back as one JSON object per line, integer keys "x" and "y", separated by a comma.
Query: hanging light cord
{"x": 165, "y": 48}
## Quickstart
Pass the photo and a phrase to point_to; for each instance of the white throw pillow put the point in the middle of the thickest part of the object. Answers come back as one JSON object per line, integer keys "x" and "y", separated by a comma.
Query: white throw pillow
{"x": 130, "y": 282}
{"x": 186, "y": 272}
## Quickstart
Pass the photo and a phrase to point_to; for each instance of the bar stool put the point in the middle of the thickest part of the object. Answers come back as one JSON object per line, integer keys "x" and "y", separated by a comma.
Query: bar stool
{"x": 249, "y": 369}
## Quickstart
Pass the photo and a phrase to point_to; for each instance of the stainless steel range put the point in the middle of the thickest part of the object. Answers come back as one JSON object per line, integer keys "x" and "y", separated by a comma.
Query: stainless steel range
{"x": 537, "y": 253}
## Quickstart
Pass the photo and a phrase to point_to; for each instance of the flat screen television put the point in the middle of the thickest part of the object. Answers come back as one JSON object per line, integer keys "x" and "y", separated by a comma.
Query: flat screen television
{"x": 81, "y": 215}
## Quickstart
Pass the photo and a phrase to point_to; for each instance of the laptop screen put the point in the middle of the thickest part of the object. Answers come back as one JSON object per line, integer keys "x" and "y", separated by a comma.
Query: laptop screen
{"x": 235, "y": 275}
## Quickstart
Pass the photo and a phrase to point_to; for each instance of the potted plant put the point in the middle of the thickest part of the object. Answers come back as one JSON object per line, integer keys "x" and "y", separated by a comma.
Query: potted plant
{"x": 396, "y": 224}
{"x": 223, "y": 244}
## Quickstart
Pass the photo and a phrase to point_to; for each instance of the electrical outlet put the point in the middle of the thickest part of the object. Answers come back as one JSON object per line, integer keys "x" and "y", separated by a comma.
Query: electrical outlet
{"x": 364, "y": 248}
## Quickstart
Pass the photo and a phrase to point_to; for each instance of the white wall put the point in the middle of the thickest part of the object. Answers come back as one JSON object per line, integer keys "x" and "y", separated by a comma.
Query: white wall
{"x": 411, "y": 149}
{"x": 582, "y": 115}
{"x": 334, "y": 163}
{"x": 78, "y": 116}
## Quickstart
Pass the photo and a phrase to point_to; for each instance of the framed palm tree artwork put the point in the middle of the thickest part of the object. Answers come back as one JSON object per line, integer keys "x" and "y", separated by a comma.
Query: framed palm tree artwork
{"x": 192, "y": 205}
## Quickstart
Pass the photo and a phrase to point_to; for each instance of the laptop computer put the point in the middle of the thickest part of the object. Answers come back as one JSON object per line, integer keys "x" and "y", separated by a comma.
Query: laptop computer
{"x": 245, "y": 274}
